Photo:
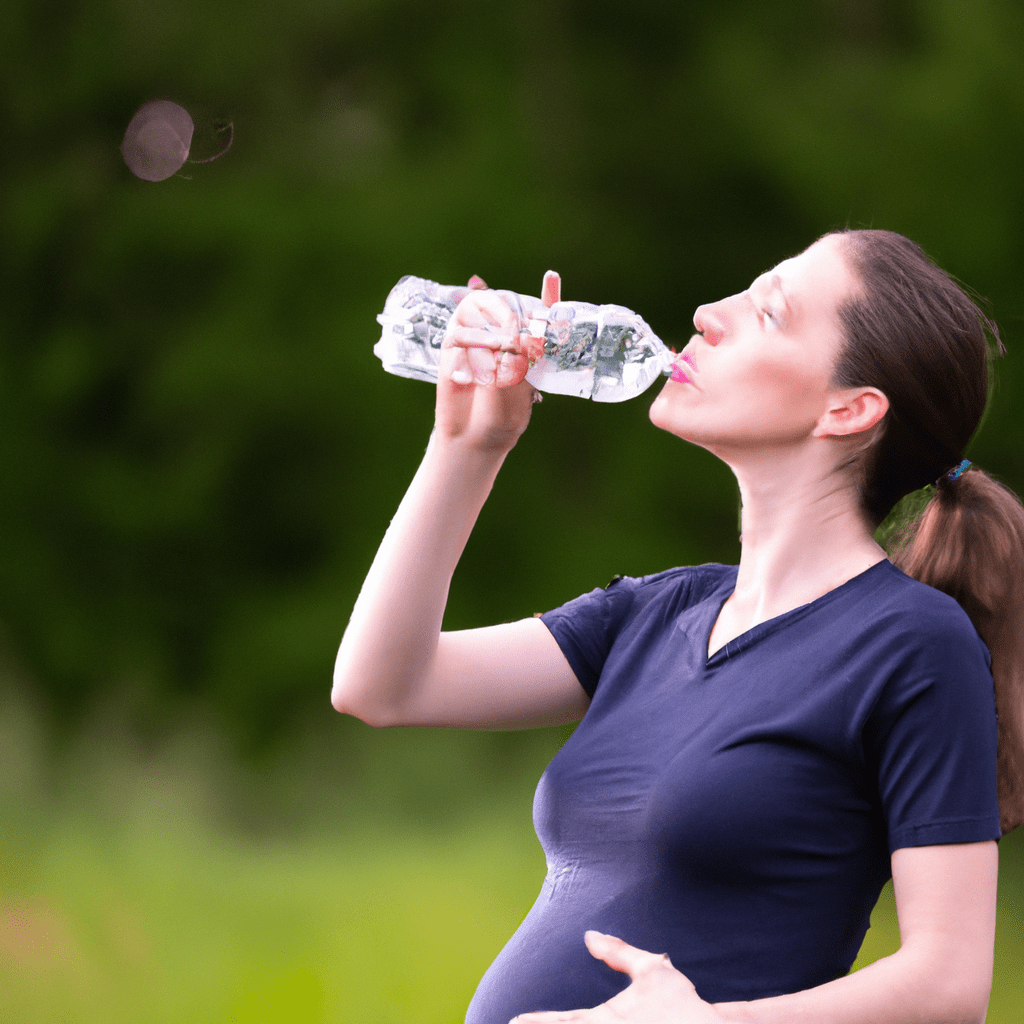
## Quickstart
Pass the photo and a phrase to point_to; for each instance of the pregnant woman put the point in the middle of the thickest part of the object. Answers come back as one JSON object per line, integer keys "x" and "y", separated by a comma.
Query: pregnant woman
{"x": 760, "y": 747}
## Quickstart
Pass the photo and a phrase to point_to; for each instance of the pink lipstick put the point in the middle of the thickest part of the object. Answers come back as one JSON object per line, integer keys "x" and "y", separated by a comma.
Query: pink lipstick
{"x": 679, "y": 373}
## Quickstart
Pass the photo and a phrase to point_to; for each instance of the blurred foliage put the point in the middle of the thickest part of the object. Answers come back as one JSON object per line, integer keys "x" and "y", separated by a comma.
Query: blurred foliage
{"x": 199, "y": 450}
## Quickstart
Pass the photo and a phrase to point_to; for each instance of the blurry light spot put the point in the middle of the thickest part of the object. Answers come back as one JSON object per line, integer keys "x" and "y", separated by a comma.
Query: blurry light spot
{"x": 157, "y": 140}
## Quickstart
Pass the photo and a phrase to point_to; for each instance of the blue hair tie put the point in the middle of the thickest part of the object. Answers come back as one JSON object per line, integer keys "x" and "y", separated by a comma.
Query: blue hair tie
{"x": 958, "y": 471}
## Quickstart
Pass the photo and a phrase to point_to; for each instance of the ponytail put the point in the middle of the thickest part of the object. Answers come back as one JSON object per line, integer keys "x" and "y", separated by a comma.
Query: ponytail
{"x": 915, "y": 334}
{"x": 969, "y": 542}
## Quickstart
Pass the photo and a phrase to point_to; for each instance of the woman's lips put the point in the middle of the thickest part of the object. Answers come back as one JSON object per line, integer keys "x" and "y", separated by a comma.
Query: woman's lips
{"x": 679, "y": 374}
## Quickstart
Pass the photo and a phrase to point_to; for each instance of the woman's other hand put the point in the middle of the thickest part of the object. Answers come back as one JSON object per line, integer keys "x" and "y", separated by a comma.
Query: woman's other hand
{"x": 658, "y": 993}
{"x": 482, "y": 394}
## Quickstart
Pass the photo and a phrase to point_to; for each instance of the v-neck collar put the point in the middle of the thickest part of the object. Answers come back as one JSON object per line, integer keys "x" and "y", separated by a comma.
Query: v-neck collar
{"x": 762, "y": 629}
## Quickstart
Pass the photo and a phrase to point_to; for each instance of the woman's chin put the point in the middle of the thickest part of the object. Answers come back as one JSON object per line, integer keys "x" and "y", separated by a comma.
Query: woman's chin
{"x": 665, "y": 418}
{"x": 664, "y": 413}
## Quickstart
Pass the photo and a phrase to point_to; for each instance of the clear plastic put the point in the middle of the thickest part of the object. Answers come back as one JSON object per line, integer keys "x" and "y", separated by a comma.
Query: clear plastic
{"x": 607, "y": 353}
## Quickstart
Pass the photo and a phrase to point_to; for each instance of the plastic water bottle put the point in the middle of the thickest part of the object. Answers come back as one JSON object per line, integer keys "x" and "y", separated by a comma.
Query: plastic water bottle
{"x": 607, "y": 353}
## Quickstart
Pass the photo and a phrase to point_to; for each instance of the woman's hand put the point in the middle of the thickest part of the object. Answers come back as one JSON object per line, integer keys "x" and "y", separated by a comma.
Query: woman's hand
{"x": 942, "y": 972}
{"x": 659, "y": 994}
{"x": 482, "y": 394}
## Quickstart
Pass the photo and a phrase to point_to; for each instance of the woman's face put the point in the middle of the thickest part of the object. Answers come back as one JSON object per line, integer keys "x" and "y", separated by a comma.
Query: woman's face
{"x": 758, "y": 375}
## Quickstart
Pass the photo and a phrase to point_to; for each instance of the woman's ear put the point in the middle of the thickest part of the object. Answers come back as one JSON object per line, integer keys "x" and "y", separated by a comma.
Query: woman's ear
{"x": 852, "y": 411}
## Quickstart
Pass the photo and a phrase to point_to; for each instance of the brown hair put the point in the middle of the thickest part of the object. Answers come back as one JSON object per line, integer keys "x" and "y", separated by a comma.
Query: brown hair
{"x": 915, "y": 334}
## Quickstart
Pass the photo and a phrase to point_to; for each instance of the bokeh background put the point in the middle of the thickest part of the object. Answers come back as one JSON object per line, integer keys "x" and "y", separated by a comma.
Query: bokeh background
{"x": 199, "y": 452}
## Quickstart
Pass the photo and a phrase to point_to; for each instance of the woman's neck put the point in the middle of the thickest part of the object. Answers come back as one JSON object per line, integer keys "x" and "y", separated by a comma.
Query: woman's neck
{"x": 803, "y": 534}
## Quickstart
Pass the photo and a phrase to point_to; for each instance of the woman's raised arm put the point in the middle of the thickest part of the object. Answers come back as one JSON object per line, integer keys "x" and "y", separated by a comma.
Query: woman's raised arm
{"x": 394, "y": 666}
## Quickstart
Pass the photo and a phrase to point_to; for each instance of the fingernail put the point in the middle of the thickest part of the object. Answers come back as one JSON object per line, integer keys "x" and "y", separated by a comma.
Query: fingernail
{"x": 484, "y": 377}
{"x": 461, "y": 377}
{"x": 505, "y": 368}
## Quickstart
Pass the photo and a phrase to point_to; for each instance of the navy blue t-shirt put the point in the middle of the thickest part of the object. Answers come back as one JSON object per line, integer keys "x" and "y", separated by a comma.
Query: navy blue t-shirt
{"x": 739, "y": 812}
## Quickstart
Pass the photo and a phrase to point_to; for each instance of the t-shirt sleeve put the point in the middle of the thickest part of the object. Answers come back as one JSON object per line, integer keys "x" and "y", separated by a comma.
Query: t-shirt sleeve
{"x": 932, "y": 736}
{"x": 585, "y": 628}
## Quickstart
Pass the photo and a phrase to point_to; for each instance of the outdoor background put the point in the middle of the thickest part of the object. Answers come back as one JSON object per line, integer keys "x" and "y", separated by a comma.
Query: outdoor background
{"x": 199, "y": 452}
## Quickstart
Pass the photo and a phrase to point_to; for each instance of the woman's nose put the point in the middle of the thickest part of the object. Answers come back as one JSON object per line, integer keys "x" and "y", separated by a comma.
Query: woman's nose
{"x": 709, "y": 323}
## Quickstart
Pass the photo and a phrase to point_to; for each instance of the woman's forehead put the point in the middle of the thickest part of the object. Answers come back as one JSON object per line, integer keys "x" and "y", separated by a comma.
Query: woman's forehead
{"x": 820, "y": 275}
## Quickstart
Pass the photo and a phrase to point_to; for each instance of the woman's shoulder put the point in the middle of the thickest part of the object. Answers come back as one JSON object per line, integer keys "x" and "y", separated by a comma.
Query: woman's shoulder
{"x": 901, "y": 597}
{"x": 671, "y": 591}
{"x": 901, "y": 611}
{"x": 586, "y": 627}
{"x": 688, "y": 584}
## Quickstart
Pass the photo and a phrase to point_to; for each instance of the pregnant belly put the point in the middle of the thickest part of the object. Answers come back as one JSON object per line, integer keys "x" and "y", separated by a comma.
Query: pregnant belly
{"x": 546, "y": 965}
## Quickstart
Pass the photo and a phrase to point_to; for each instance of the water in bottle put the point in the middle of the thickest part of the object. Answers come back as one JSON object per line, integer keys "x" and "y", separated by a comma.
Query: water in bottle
{"x": 607, "y": 353}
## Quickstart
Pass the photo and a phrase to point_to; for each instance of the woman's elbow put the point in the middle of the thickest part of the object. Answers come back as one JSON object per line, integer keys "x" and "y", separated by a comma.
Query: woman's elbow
{"x": 349, "y": 687}
{"x": 369, "y": 716}
{"x": 350, "y": 698}
{"x": 346, "y": 704}
{"x": 340, "y": 701}
{"x": 345, "y": 696}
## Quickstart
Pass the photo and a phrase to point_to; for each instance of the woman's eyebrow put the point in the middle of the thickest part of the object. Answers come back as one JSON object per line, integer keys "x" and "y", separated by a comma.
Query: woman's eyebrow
{"x": 766, "y": 284}
{"x": 775, "y": 285}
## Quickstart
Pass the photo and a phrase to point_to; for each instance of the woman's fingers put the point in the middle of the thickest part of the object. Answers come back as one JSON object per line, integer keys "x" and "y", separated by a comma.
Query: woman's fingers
{"x": 492, "y": 358}
{"x": 496, "y": 339}
{"x": 621, "y": 956}
{"x": 512, "y": 368}
{"x": 485, "y": 307}
{"x": 484, "y": 364}
{"x": 551, "y": 289}
{"x": 454, "y": 365}
{"x": 487, "y": 328}
{"x": 485, "y": 312}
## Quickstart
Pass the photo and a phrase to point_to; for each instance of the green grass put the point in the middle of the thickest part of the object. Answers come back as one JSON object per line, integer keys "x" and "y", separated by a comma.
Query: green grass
{"x": 134, "y": 895}
{"x": 166, "y": 922}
